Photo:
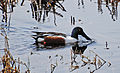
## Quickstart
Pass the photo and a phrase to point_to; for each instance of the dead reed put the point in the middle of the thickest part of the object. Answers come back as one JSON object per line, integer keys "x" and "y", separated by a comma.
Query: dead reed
{"x": 6, "y": 6}
{"x": 41, "y": 8}
{"x": 9, "y": 64}
{"x": 111, "y": 5}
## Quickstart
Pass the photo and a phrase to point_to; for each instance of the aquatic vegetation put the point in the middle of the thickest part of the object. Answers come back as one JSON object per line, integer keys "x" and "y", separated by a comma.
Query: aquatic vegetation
{"x": 72, "y": 20}
{"x": 81, "y": 2}
{"x": 8, "y": 63}
{"x": 78, "y": 61}
{"x": 111, "y": 5}
{"x": 95, "y": 62}
{"x": 38, "y": 8}
{"x": 11, "y": 65}
{"x": 6, "y": 6}
{"x": 43, "y": 7}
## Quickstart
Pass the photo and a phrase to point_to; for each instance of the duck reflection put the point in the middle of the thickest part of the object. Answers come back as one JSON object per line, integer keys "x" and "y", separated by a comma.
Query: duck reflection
{"x": 77, "y": 49}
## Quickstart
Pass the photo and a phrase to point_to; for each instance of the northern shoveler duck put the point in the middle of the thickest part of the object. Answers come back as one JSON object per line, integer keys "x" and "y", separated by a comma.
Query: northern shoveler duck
{"x": 59, "y": 39}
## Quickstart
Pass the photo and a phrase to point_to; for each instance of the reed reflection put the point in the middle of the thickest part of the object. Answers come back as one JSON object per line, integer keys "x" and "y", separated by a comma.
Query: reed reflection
{"x": 78, "y": 60}
{"x": 77, "y": 49}
{"x": 112, "y": 6}
{"x": 81, "y": 2}
{"x": 41, "y": 8}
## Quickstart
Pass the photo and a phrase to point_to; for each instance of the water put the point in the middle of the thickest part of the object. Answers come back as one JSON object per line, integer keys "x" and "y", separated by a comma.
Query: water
{"x": 100, "y": 27}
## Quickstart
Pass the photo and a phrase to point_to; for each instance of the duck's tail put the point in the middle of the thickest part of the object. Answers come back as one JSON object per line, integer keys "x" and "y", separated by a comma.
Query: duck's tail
{"x": 36, "y": 38}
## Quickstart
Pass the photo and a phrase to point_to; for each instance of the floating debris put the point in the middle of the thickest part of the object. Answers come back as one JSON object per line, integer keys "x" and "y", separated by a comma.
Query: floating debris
{"x": 49, "y": 57}
{"x": 109, "y": 64}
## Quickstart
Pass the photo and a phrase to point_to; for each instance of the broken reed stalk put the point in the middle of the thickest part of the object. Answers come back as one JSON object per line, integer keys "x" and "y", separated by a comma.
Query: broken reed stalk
{"x": 22, "y": 2}
{"x": 82, "y": 2}
{"x": 52, "y": 68}
{"x": 100, "y": 6}
{"x": 72, "y": 20}
{"x": 78, "y": 2}
{"x": 54, "y": 15}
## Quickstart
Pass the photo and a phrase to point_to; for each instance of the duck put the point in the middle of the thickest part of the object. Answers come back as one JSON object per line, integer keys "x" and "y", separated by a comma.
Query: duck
{"x": 59, "y": 39}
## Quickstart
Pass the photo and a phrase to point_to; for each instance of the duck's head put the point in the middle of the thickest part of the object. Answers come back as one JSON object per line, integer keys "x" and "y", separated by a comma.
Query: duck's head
{"x": 79, "y": 31}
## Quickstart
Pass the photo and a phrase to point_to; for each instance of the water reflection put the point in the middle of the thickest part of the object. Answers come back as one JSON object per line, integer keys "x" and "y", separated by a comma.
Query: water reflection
{"x": 78, "y": 59}
{"x": 112, "y": 6}
{"x": 81, "y": 2}
{"x": 77, "y": 49}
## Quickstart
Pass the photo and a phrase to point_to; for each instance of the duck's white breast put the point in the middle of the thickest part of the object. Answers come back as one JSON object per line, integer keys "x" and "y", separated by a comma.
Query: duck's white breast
{"x": 69, "y": 40}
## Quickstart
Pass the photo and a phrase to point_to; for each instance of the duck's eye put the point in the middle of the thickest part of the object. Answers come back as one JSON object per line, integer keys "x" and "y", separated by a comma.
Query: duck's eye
{"x": 79, "y": 30}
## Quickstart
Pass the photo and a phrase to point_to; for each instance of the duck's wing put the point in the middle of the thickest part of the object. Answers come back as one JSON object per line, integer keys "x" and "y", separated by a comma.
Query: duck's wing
{"x": 42, "y": 34}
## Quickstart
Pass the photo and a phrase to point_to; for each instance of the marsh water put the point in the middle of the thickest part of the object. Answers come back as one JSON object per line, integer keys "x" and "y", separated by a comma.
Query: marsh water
{"x": 100, "y": 26}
